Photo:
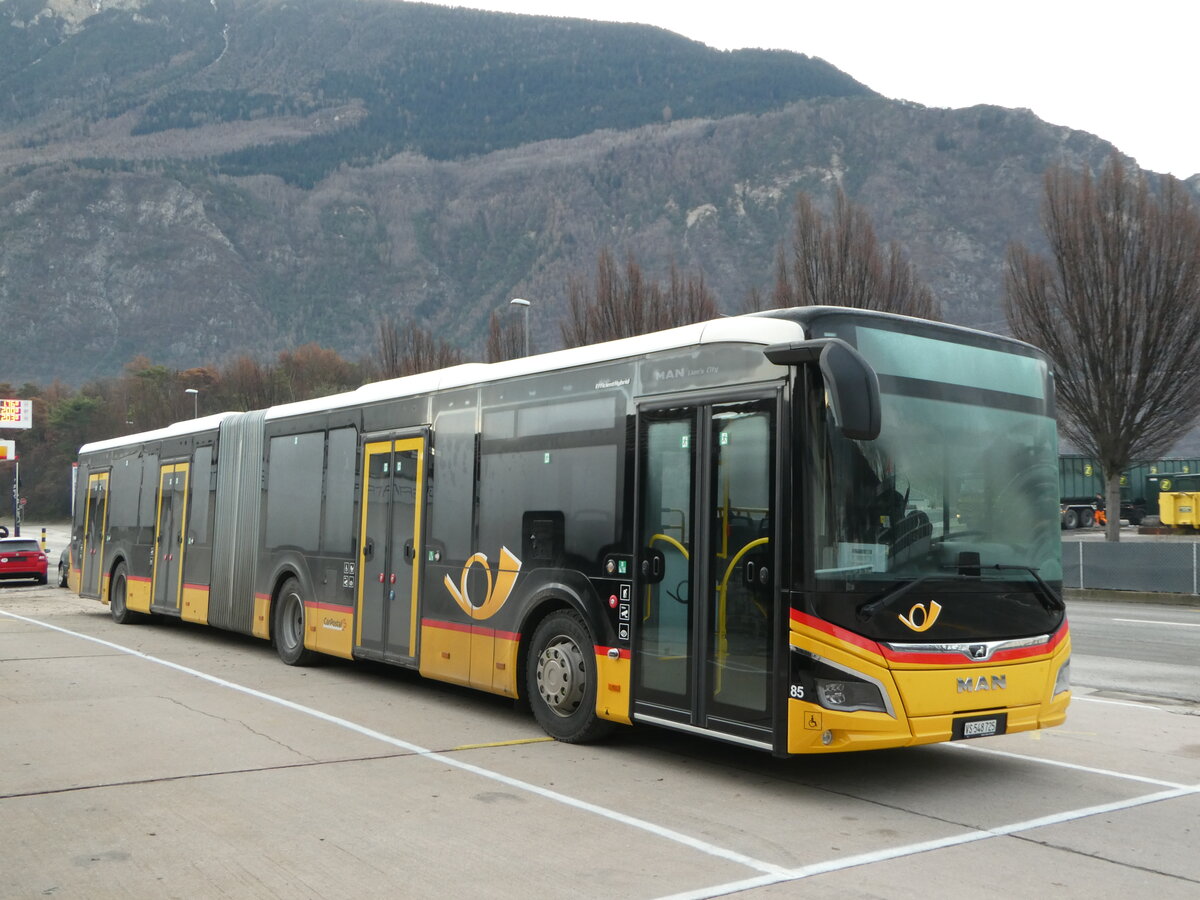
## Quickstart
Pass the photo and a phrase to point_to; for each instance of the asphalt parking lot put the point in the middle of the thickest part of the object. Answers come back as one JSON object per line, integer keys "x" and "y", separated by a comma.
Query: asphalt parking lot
{"x": 176, "y": 760}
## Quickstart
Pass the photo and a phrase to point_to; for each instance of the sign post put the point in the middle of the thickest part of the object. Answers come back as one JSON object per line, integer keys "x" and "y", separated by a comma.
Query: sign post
{"x": 16, "y": 494}
{"x": 15, "y": 414}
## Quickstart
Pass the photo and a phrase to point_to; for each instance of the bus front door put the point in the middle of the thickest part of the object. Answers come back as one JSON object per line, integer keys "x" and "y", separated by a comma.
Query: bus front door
{"x": 706, "y": 615}
{"x": 95, "y": 521}
{"x": 389, "y": 542}
{"x": 169, "y": 529}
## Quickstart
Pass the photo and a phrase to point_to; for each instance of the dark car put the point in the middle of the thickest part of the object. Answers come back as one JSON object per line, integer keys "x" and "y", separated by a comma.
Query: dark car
{"x": 64, "y": 566}
{"x": 22, "y": 558}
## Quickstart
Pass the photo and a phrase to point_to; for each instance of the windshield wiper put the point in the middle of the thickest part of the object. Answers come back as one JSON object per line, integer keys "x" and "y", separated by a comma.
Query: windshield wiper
{"x": 1048, "y": 598}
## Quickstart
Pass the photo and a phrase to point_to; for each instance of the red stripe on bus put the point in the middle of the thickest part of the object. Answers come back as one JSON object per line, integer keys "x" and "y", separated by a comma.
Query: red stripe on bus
{"x": 834, "y": 631}
{"x": 470, "y": 629}
{"x": 933, "y": 659}
{"x": 446, "y": 626}
{"x": 329, "y": 607}
{"x": 196, "y": 587}
{"x": 603, "y": 651}
{"x": 139, "y": 578}
{"x": 1013, "y": 655}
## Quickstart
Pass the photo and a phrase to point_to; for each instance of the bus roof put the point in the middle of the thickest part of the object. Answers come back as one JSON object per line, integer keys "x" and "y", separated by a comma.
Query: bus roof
{"x": 747, "y": 329}
{"x": 734, "y": 329}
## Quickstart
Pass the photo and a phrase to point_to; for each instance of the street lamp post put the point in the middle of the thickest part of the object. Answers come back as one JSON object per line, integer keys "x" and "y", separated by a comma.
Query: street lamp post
{"x": 195, "y": 401}
{"x": 524, "y": 304}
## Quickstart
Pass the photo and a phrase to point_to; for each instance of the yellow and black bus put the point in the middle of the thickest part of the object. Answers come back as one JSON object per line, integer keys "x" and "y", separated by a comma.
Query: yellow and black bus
{"x": 804, "y": 530}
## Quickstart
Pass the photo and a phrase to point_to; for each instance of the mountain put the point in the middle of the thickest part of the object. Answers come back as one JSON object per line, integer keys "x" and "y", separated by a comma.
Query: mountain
{"x": 189, "y": 181}
{"x": 305, "y": 86}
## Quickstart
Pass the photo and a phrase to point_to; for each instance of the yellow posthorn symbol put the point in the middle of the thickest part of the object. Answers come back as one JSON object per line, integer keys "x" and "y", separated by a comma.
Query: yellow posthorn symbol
{"x": 497, "y": 592}
{"x": 920, "y": 619}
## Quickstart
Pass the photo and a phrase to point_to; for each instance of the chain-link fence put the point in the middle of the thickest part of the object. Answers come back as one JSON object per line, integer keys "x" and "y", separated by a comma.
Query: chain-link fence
{"x": 1155, "y": 566}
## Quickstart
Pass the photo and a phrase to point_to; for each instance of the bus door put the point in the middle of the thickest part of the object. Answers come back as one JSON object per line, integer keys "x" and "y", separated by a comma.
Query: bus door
{"x": 95, "y": 522}
{"x": 706, "y": 616}
{"x": 388, "y": 550}
{"x": 170, "y": 527}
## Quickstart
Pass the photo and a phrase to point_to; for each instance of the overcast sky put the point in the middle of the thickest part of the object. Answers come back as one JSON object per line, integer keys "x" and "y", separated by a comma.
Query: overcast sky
{"x": 1126, "y": 72}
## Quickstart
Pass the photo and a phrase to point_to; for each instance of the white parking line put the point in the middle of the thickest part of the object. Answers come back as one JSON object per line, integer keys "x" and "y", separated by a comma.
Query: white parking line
{"x": 777, "y": 872}
{"x": 876, "y": 856}
{"x": 1091, "y": 770}
{"x": 1133, "y": 704}
{"x": 1155, "y": 622}
{"x": 770, "y": 873}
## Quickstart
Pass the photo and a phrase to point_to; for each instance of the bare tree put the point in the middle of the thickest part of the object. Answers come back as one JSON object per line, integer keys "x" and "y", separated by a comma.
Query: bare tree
{"x": 1117, "y": 308}
{"x": 410, "y": 349}
{"x": 839, "y": 262}
{"x": 506, "y": 337}
{"x": 624, "y": 304}
{"x": 387, "y": 347}
{"x": 314, "y": 371}
{"x": 154, "y": 395}
{"x": 248, "y": 384}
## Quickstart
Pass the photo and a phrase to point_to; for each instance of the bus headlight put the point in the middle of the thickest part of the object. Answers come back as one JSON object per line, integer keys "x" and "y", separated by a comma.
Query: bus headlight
{"x": 835, "y": 687}
{"x": 848, "y": 695}
{"x": 1062, "y": 681}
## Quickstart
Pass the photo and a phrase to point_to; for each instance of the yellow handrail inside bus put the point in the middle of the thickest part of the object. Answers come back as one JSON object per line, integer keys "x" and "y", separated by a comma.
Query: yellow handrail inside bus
{"x": 670, "y": 540}
{"x": 722, "y": 603}
{"x": 678, "y": 546}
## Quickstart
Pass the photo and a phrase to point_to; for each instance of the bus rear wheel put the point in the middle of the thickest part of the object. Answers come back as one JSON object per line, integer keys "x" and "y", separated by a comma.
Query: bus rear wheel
{"x": 288, "y": 626}
{"x": 560, "y": 679}
{"x": 118, "y": 591}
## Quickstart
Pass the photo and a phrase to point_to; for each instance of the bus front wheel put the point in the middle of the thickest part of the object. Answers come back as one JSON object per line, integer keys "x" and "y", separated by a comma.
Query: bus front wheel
{"x": 560, "y": 679}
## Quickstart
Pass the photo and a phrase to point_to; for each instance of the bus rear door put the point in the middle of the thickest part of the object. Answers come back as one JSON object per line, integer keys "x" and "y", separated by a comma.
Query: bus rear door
{"x": 389, "y": 564}
{"x": 170, "y": 529}
{"x": 95, "y": 522}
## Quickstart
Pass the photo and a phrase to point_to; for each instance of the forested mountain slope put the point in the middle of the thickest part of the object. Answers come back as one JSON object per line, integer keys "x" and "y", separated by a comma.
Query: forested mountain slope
{"x": 188, "y": 181}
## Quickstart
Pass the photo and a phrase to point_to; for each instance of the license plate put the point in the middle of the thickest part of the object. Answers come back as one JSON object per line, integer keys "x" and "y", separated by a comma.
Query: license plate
{"x": 979, "y": 726}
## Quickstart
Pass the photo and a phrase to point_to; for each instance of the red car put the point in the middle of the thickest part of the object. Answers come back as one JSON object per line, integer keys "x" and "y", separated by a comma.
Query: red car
{"x": 22, "y": 558}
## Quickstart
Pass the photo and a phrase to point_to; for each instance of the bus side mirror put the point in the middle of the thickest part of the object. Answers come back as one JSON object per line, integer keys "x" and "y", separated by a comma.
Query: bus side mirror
{"x": 852, "y": 384}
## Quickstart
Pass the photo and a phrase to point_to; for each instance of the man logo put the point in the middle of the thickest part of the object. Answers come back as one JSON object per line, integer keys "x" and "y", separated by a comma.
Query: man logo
{"x": 979, "y": 651}
{"x": 973, "y": 685}
{"x": 920, "y": 619}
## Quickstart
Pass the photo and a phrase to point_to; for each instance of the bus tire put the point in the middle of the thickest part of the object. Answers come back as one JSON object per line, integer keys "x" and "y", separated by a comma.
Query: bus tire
{"x": 118, "y": 590}
{"x": 560, "y": 679}
{"x": 288, "y": 626}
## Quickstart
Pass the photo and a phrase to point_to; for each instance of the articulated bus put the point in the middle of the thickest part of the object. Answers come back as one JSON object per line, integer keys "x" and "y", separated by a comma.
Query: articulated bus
{"x": 806, "y": 530}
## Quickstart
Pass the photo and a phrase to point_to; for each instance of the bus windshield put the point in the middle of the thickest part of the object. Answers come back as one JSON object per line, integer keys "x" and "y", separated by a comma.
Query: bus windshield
{"x": 962, "y": 480}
